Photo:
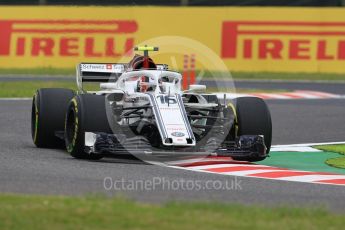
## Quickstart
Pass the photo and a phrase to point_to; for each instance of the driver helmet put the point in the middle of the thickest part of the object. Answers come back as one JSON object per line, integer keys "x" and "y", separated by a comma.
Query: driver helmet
{"x": 144, "y": 84}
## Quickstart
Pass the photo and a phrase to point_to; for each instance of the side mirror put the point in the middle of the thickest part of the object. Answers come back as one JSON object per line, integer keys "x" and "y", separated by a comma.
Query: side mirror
{"x": 107, "y": 86}
{"x": 197, "y": 88}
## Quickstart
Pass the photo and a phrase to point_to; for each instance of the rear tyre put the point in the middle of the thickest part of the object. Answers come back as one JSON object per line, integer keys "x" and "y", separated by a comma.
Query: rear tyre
{"x": 85, "y": 113}
{"x": 48, "y": 116}
{"x": 254, "y": 118}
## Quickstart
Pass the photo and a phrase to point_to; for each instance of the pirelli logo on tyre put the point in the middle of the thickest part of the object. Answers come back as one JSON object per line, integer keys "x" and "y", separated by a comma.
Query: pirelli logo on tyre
{"x": 66, "y": 38}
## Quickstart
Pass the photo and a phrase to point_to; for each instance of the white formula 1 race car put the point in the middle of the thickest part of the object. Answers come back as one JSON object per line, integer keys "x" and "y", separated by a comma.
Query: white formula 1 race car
{"x": 141, "y": 108}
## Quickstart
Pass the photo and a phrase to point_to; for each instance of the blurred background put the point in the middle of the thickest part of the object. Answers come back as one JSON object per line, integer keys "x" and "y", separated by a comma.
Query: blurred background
{"x": 181, "y": 2}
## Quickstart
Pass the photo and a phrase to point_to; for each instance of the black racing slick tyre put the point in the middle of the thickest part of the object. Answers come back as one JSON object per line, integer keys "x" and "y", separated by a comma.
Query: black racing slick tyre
{"x": 85, "y": 113}
{"x": 254, "y": 118}
{"x": 48, "y": 116}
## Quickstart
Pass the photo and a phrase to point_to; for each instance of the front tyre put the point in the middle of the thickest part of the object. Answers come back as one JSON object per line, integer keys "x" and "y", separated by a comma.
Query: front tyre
{"x": 48, "y": 116}
{"x": 85, "y": 113}
{"x": 254, "y": 118}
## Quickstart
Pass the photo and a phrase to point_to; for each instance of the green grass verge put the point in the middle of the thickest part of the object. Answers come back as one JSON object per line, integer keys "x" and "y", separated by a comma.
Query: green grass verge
{"x": 39, "y": 71}
{"x": 28, "y": 88}
{"x": 332, "y": 148}
{"x": 235, "y": 75}
{"x": 338, "y": 162}
{"x": 48, "y": 212}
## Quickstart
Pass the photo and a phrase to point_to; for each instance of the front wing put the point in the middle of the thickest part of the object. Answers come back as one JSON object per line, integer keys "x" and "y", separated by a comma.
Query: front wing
{"x": 246, "y": 146}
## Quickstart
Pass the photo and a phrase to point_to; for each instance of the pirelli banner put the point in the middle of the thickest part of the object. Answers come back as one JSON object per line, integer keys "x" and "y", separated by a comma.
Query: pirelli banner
{"x": 246, "y": 39}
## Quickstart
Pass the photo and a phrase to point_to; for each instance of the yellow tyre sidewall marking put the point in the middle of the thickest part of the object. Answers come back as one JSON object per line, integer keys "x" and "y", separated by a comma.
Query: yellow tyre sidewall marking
{"x": 36, "y": 117}
{"x": 71, "y": 145}
{"x": 235, "y": 113}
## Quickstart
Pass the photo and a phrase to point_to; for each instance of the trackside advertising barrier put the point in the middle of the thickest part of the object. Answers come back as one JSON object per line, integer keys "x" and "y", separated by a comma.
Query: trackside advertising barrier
{"x": 246, "y": 39}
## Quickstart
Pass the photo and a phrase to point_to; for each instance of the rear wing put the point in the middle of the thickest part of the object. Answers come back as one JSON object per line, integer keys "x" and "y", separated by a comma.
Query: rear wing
{"x": 98, "y": 72}
{"x": 103, "y": 72}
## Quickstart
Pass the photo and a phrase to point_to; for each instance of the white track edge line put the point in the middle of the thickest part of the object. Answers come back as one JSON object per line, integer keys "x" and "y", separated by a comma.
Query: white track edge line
{"x": 15, "y": 98}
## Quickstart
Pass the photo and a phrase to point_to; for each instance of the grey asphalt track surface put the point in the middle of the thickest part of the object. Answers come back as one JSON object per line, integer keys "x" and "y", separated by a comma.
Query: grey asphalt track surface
{"x": 29, "y": 170}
